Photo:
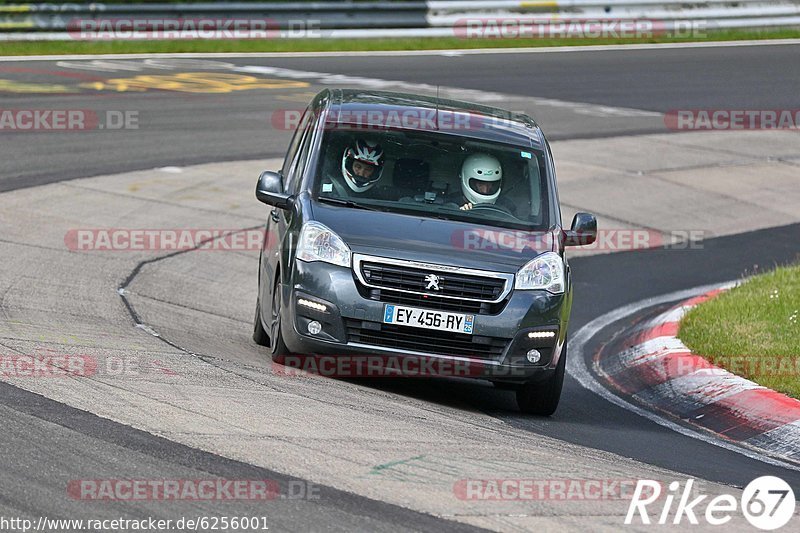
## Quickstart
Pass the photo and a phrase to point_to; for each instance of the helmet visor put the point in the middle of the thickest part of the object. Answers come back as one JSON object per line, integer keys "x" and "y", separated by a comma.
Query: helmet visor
{"x": 484, "y": 188}
{"x": 363, "y": 172}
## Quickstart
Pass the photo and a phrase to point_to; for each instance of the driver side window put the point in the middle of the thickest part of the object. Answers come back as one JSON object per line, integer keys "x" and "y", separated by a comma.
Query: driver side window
{"x": 293, "y": 152}
{"x": 295, "y": 177}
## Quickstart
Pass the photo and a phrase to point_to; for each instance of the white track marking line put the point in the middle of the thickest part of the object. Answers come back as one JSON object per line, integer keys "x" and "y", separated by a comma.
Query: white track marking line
{"x": 477, "y": 95}
{"x": 331, "y": 79}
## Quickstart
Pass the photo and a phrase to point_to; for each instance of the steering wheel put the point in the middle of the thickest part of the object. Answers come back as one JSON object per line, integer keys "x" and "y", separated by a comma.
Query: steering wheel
{"x": 493, "y": 207}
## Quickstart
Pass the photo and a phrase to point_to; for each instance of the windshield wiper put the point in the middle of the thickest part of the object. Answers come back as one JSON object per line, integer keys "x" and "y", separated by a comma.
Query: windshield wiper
{"x": 347, "y": 203}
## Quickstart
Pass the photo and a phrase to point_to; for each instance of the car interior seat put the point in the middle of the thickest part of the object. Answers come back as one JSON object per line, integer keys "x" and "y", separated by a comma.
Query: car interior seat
{"x": 411, "y": 176}
{"x": 516, "y": 187}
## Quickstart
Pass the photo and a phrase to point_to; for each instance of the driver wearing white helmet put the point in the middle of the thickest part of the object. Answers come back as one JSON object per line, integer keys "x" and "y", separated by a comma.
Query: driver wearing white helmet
{"x": 481, "y": 179}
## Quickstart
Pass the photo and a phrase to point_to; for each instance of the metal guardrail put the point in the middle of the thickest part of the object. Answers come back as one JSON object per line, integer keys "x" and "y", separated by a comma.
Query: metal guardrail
{"x": 331, "y": 15}
{"x": 415, "y": 18}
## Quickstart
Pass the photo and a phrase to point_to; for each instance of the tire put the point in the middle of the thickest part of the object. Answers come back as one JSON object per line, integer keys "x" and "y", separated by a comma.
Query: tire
{"x": 279, "y": 349}
{"x": 260, "y": 336}
{"x": 541, "y": 397}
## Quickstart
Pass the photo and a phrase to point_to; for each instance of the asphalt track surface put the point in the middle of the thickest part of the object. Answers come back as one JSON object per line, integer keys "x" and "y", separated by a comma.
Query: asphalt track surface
{"x": 45, "y": 441}
{"x": 655, "y": 80}
{"x": 181, "y": 129}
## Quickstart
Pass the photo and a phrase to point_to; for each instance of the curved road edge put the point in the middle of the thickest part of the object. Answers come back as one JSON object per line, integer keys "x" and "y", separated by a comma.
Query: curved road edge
{"x": 656, "y": 369}
{"x": 595, "y": 376}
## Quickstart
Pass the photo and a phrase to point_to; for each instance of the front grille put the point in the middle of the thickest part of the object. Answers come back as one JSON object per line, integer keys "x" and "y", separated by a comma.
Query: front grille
{"x": 424, "y": 340}
{"x": 408, "y": 278}
{"x": 440, "y": 304}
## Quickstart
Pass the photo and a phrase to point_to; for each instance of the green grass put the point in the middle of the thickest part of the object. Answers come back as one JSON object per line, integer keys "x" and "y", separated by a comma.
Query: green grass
{"x": 318, "y": 45}
{"x": 752, "y": 330}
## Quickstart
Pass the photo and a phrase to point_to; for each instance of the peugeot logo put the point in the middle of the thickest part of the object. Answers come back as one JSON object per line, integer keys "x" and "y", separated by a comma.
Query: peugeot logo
{"x": 433, "y": 282}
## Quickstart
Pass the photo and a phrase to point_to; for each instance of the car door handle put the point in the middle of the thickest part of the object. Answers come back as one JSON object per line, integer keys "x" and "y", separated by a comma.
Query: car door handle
{"x": 274, "y": 215}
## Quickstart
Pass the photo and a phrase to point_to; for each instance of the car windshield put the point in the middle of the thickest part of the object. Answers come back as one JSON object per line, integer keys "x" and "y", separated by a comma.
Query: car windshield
{"x": 434, "y": 175}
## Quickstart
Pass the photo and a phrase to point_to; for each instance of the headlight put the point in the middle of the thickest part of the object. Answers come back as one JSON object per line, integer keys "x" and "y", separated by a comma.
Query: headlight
{"x": 319, "y": 243}
{"x": 545, "y": 272}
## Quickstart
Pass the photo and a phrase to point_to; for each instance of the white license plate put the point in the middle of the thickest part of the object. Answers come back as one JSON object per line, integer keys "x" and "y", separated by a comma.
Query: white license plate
{"x": 425, "y": 318}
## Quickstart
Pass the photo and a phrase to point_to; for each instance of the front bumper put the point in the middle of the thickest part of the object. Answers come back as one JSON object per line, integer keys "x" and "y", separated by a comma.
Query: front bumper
{"x": 495, "y": 351}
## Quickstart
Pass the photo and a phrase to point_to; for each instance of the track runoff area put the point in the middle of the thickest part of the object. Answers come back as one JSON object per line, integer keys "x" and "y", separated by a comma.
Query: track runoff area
{"x": 611, "y": 144}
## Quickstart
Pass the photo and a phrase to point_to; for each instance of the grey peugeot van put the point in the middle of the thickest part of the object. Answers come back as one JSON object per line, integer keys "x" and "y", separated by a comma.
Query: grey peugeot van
{"x": 418, "y": 228}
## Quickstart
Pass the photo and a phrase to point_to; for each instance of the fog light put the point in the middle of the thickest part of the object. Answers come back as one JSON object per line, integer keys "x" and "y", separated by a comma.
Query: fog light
{"x": 315, "y": 327}
{"x": 541, "y": 334}
{"x": 533, "y": 356}
{"x": 311, "y": 305}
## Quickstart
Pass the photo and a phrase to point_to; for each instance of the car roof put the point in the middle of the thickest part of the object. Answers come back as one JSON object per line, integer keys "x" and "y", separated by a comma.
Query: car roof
{"x": 405, "y": 111}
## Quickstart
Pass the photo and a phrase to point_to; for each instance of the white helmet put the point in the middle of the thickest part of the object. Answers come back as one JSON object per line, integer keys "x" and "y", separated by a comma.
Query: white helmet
{"x": 481, "y": 176}
{"x": 367, "y": 152}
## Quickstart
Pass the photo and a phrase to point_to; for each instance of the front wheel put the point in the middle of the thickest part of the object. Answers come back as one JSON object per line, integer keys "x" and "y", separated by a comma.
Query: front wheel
{"x": 259, "y": 334}
{"x": 541, "y": 397}
{"x": 279, "y": 349}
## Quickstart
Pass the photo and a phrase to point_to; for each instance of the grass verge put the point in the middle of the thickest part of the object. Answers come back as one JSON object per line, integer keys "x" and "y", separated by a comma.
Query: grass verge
{"x": 337, "y": 45}
{"x": 752, "y": 330}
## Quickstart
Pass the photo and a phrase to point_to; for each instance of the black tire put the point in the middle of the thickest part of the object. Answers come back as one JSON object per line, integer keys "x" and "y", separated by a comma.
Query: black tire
{"x": 541, "y": 397}
{"x": 279, "y": 349}
{"x": 260, "y": 336}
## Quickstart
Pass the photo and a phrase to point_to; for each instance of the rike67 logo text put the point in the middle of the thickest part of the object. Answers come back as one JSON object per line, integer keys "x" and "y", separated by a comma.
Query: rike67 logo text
{"x": 767, "y": 503}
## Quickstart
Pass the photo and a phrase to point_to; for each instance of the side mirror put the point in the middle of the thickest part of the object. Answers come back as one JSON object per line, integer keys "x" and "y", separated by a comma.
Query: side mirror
{"x": 270, "y": 190}
{"x": 583, "y": 232}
